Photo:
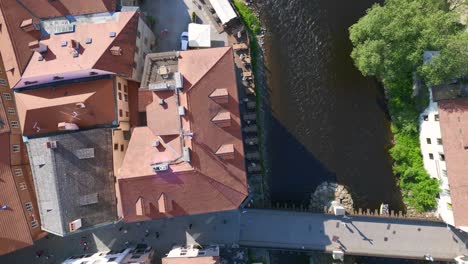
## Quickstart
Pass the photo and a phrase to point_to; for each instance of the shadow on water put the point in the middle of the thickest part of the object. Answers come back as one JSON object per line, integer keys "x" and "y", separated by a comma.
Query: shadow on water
{"x": 323, "y": 119}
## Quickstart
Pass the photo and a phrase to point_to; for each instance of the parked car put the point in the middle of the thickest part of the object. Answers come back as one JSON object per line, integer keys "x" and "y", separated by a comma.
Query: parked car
{"x": 184, "y": 41}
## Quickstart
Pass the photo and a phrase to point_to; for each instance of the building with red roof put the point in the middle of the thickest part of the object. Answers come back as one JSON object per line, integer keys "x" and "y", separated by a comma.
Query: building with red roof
{"x": 189, "y": 158}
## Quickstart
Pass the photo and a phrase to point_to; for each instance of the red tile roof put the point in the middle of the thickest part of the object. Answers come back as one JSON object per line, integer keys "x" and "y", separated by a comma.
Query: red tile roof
{"x": 97, "y": 54}
{"x": 454, "y": 127}
{"x": 163, "y": 119}
{"x": 58, "y": 8}
{"x": 14, "y": 228}
{"x": 14, "y": 44}
{"x": 209, "y": 183}
{"x": 41, "y": 110}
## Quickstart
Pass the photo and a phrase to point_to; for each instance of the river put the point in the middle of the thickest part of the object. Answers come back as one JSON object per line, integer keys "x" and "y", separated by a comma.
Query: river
{"x": 322, "y": 119}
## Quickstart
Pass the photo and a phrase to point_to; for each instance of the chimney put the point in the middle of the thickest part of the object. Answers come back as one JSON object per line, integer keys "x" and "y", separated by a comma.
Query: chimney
{"x": 222, "y": 119}
{"x": 75, "y": 45}
{"x": 164, "y": 204}
{"x": 116, "y": 51}
{"x": 37, "y": 46}
{"x": 80, "y": 105}
{"x": 73, "y": 226}
{"x": 28, "y": 25}
{"x": 220, "y": 96}
{"x": 226, "y": 152}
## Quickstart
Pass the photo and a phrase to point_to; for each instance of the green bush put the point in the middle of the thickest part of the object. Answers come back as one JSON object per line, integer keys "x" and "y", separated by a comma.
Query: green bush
{"x": 248, "y": 17}
{"x": 194, "y": 17}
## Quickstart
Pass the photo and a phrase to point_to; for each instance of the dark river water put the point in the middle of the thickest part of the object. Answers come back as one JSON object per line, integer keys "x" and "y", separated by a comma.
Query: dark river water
{"x": 323, "y": 119}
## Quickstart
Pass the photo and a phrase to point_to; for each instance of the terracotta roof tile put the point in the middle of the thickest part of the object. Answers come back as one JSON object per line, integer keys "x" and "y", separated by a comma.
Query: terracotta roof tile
{"x": 41, "y": 110}
{"x": 59, "y": 59}
{"x": 145, "y": 97}
{"x": 47, "y": 8}
{"x": 163, "y": 119}
{"x": 454, "y": 128}
{"x": 14, "y": 228}
{"x": 4, "y": 124}
{"x": 209, "y": 183}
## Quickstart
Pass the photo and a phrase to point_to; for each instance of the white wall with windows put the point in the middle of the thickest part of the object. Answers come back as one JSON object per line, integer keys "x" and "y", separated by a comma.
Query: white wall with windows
{"x": 432, "y": 150}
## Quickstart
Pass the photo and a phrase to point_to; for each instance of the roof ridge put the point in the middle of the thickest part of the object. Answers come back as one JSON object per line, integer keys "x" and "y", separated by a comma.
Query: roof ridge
{"x": 212, "y": 66}
{"x": 218, "y": 183}
{"x": 116, "y": 36}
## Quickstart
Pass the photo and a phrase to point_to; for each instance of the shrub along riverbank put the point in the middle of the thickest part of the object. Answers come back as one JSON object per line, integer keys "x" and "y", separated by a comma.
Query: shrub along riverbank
{"x": 389, "y": 42}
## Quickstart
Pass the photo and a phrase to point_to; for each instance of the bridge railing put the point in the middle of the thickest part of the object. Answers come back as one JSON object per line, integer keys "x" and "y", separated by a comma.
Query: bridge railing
{"x": 358, "y": 212}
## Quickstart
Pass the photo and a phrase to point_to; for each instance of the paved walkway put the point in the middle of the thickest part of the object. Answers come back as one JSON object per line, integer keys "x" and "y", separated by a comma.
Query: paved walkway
{"x": 386, "y": 237}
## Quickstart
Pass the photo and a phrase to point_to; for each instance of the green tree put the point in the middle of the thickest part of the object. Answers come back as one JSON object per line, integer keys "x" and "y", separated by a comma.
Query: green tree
{"x": 389, "y": 40}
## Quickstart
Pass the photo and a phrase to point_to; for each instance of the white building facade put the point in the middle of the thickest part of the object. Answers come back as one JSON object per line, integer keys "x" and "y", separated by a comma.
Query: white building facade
{"x": 141, "y": 254}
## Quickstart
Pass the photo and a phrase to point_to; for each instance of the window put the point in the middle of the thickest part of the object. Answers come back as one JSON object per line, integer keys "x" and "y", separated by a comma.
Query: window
{"x": 441, "y": 157}
{"x": 126, "y": 98}
{"x": 121, "y": 147}
{"x": 134, "y": 65}
{"x": 112, "y": 259}
{"x": 428, "y": 140}
{"x": 22, "y": 186}
{"x": 28, "y": 206}
{"x": 7, "y": 96}
{"x": 126, "y": 113}
{"x": 14, "y": 124}
{"x": 18, "y": 172}
{"x": 125, "y": 88}
{"x": 426, "y": 118}
{"x": 3, "y": 82}
{"x": 120, "y": 86}
{"x": 138, "y": 34}
{"x": 137, "y": 50}
{"x": 16, "y": 148}
{"x": 34, "y": 223}
{"x": 431, "y": 156}
{"x": 146, "y": 41}
{"x": 11, "y": 110}
{"x": 439, "y": 141}
{"x": 444, "y": 173}
{"x": 120, "y": 96}
{"x": 120, "y": 112}
{"x": 116, "y": 146}
{"x": 436, "y": 117}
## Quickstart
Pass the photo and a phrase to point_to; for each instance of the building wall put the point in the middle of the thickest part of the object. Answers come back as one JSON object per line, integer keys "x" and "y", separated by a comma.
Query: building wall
{"x": 432, "y": 150}
{"x": 121, "y": 135}
{"x": 145, "y": 44}
{"x": 19, "y": 159}
{"x": 130, "y": 2}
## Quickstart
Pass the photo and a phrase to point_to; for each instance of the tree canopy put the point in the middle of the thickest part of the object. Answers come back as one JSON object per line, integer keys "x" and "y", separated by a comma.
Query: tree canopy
{"x": 389, "y": 41}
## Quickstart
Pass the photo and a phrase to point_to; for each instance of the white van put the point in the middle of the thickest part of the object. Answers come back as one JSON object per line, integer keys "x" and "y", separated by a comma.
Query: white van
{"x": 184, "y": 41}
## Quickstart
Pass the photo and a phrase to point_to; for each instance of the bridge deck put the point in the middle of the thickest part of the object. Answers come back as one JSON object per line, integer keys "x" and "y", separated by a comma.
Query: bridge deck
{"x": 387, "y": 237}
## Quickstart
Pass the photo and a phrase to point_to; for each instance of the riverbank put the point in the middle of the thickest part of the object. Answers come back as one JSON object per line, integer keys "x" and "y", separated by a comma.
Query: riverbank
{"x": 253, "y": 28}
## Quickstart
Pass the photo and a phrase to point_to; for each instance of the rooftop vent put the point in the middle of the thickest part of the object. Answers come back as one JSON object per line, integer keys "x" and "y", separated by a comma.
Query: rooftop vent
{"x": 75, "y": 54}
{"x": 161, "y": 167}
{"x": 181, "y": 110}
{"x": 89, "y": 40}
{"x": 156, "y": 143}
{"x": 56, "y": 78}
{"x": 112, "y": 34}
{"x": 178, "y": 80}
{"x": 159, "y": 86}
{"x": 93, "y": 73}
{"x": 164, "y": 71}
{"x": 161, "y": 101}
{"x": 116, "y": 51}
{"x": 74, "y": 225}
{"x": 30, "y": 82}
{"x": 64, "y": 43}
{"x": 186, "y": 154}
{"x": 40, "y": 58}
{"x": 80, "y": 105}
{"x": 51, "y": 144}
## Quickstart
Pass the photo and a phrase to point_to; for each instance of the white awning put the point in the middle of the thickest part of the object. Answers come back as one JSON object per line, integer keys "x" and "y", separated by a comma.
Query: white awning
{"x": 199, "y": 35}
{"x": 224, "y": 10}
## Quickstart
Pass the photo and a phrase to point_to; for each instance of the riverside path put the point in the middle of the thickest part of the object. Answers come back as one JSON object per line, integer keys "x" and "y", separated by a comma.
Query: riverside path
{"x": 288, "y": 230}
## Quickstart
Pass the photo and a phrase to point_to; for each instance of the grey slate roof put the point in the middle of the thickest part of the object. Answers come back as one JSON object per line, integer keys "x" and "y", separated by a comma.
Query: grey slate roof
{"x": 69, "y": 175}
